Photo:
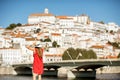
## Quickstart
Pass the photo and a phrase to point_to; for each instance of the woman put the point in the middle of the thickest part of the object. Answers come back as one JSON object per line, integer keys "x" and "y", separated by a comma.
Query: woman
{"x": 38, "y": 61}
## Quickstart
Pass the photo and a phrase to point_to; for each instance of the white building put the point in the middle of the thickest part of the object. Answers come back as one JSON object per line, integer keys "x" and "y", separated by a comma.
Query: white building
{"x": 65, "y": 21}
{"x": 6, "y": 42}
{"x": 112, "y": 27}
{"x": 41, "y": 17}
{"x": 18, "y": 42}
{"x": 53, "y": 55}
{"x": 27, "y": 28}
{"x": 1, "y": 30}
{"x": 56, "y": 37}
{"x": 99, "y": 50}
{"x": 11, "y": 56}
{"x": 83, "y": 19}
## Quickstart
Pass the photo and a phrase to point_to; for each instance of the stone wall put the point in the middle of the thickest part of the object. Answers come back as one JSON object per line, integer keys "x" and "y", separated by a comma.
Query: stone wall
{"x": 109, "y": 69}
{"x": 62, "y": 72}
{"x": 7, "y": 70}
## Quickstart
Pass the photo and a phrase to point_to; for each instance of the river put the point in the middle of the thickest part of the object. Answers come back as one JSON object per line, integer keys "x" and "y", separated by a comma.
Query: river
{"x": 98, "y": 77}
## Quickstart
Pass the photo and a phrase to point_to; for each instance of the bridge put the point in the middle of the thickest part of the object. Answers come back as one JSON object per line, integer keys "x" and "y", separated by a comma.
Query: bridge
{"x": 74, "y": 68}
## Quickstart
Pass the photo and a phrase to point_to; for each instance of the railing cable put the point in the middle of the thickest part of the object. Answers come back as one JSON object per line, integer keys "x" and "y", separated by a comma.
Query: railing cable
{"x": 78, "y": 56}
{"x": 70, "y": 57}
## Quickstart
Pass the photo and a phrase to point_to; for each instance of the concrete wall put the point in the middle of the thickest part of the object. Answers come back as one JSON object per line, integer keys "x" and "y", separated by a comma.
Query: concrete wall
{"x": 7, "y": 70}
{"x": 108, "y": 69}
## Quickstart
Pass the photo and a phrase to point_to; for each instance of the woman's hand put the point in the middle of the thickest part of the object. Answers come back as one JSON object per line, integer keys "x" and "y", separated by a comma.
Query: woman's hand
{"x": 34, "y": 43}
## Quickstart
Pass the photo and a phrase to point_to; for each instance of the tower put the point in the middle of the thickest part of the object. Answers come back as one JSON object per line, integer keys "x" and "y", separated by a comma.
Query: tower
{"x": 46, "y": 11}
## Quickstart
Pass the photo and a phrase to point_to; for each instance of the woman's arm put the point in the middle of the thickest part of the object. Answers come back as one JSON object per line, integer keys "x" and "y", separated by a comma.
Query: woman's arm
{"x": 30, "y": 46}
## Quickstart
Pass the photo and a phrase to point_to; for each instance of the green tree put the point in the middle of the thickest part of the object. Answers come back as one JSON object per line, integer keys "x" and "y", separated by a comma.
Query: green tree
{"x": 37, "y": 30}
{"x": 102, "y": 22}
{"x": 79, "y": 53}
{"x": 55, "y": 44}
{"x": 19, "y": 24}
{"x": 41, "y": 40}
{"x": 47, "y": 40}
{"x": 92, "y": 54}
{"x": 84, "y": 54}
{"x": 69, "y": 54}
{"x": 11, "y": 26}
{"x": 111, "y": 31}
{"x": 106, "y": 31}
{"x": 114, "y": 44}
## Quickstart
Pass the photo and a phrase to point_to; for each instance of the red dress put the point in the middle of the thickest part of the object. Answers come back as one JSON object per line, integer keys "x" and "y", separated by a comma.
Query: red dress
{"x": 37, "y": 63}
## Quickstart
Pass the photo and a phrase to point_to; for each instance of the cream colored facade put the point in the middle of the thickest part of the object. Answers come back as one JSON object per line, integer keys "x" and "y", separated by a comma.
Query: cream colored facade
{"x": 41, "y": 17}
{"x": 11, "y": 56}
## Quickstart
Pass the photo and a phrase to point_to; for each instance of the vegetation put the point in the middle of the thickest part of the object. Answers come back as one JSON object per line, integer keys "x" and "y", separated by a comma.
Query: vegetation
{"x": 111, "y": 31}
{"x": 37, "y": 30}
{"x": 47, "y": 40}
{"x": 119, "y": 55}
{"x": 115, "y": 44}
{"x": 76, "y": 54}
{"x": 19, "y": 24}
{"x": 102, "y": 22}
{"x": 54, "y": 44}
{"x": 13, "y": 25}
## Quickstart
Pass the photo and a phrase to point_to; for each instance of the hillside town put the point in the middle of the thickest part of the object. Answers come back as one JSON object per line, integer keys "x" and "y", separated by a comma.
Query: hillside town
{"x": 67, "y": 31}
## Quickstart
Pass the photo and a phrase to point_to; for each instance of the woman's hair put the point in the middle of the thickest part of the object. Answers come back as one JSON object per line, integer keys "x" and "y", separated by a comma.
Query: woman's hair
{"x": 39, "y": 51}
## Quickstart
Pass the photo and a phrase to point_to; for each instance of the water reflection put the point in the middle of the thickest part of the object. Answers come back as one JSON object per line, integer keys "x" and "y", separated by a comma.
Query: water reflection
{"x": 82, "y": 79}
{"x": 99, "y": 77}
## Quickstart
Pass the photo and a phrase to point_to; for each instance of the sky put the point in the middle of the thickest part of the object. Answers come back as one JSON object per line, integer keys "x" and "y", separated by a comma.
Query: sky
{"x": 17, "y": 11}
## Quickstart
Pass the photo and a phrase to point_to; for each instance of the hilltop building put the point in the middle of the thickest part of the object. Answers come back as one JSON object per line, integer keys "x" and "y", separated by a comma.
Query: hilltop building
{"x": 41, "y": 17}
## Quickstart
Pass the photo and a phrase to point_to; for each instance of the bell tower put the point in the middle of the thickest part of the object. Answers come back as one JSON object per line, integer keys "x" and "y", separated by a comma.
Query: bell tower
{"x": 46, "y": 11}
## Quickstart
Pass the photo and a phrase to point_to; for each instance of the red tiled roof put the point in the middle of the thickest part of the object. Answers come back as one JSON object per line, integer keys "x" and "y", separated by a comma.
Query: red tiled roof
{"x": 41, "y": 14}
{"x": 97, "y": 46}
{"x": 56, "y": 34}
{"x": 30, "y": 39}
{"x": 19, "y": 34}
{"x": 63, "y": 17}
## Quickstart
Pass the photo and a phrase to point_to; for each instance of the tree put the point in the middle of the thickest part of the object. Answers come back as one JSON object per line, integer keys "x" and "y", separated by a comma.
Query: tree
{"x": 74, "y": 54}
{"x": 47, "y": 40}
{"x": 84, "y": 54}
{"x": 106, "y": 31}
{"x": 102, "y": 22}
{"x": 54, "y": 44}
{"x": 111, "y": 32}
{"x": 19, "y": 24}
{"x": 114, "y": 44}
{"x": 119, "y": 55}
{"x": 69, "y": 54}
{"x": 41, "y": 40}
{"x": 92, "y": 54}
{"x": 37, "y": 30}
{"x": 13, "y": 25}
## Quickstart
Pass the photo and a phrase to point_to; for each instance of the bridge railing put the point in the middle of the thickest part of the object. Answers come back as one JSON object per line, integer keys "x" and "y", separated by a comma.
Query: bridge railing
{"x": 73, "y": 61}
